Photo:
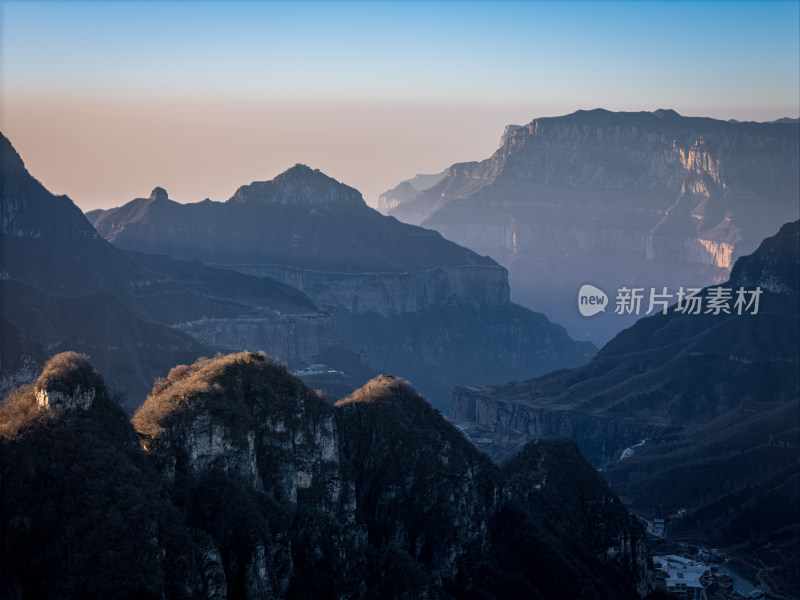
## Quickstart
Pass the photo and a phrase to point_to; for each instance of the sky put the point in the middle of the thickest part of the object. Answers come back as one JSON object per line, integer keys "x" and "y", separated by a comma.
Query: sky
{"x": 107, "y": 100}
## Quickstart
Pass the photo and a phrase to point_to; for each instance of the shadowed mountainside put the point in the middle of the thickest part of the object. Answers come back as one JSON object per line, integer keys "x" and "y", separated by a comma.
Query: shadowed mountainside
{"x": 239, "y": 481}
{"x": 411, "y": 301}
{"x": 715, "y": 399}
{"x": 64, "y": 287}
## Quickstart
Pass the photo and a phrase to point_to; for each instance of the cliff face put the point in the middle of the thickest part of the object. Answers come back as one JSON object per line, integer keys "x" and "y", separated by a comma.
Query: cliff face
{"x": 246, "y": 484}
{"x": 396, "y": 293}
{"x": 297, "y": 338}
{"x": 500, "y": 428}
{"x": 679, "y": 409}
{"x": 257, "y": 312}
{"x": 664, "y": 199}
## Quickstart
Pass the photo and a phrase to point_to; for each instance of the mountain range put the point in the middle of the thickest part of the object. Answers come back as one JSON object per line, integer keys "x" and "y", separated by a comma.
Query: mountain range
{"x": 413, "y": 303}
{"x": 616, "y": 199}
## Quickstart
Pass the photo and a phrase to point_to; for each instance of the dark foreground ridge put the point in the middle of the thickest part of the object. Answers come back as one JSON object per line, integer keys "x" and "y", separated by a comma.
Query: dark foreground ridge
{"x": 237, "y": 481}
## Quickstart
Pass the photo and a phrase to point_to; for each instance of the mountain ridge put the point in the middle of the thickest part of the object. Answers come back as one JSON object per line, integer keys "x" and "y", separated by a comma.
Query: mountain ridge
{"x": 380, "y": 278}
{"x": 623, "y": 199}
{"x": 236, "y": 480}
{"x": 686, "y": 414}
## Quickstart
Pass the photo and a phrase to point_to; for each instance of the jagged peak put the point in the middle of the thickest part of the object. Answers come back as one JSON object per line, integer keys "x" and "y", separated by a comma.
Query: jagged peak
{"x": 664, "y": 113}
{"x": 300, "y": 185}
{"x": 159, "y": 194}
{"x": 508, "y": 131}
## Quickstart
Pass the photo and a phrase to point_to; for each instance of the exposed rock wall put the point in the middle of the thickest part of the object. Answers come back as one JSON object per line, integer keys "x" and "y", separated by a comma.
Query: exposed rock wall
{"x": 588, "y": 197}
{"x": 502, "y": 427}
{"x": 289, "y": 337}
{"x": 395, "y": 293}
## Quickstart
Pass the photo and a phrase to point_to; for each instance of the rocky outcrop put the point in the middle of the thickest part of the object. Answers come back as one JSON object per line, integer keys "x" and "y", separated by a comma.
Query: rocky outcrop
{"x": 244, "y": 483}
{"x": 69, "y": 383}
{"x": 242, "y": 420}
{"x": 501, "y": 428}
{"x": 665, "y": 200}
{"x": 289, "y": 448}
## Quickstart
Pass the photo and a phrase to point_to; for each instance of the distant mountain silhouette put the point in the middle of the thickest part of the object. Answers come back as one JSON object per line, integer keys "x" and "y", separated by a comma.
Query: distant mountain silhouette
{"x": 302, "y": 219}
{"x": 617, "y": 199}
{"x": 407, "y": 190}
{"x": 418, "y": 305}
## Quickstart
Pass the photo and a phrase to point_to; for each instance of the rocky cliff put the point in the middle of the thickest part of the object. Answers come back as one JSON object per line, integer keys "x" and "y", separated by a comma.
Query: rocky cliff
{"x": 394, "y": 293}
{"x": 245, "y": 484}
{"x": 647, "y": 199}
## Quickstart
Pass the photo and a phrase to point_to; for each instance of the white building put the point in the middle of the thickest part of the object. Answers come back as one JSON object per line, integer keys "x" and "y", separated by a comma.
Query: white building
{"x": 682, "y": 577}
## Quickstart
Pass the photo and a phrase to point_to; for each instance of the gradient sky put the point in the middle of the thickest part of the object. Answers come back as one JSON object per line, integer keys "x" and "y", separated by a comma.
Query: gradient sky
{"x": 106, "y": 100}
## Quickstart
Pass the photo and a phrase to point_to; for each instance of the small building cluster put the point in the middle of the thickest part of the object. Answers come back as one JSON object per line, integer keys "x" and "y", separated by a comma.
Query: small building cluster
{"x": 682, "y": 577}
